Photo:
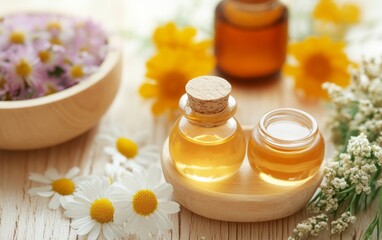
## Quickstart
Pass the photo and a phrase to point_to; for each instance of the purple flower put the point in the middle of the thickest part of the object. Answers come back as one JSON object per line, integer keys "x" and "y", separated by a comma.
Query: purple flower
{"x": 46, "y": 53}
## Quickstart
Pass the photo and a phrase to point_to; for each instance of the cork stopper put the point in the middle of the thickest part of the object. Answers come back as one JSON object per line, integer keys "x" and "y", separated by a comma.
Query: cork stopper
{"x": 208, "y": 94}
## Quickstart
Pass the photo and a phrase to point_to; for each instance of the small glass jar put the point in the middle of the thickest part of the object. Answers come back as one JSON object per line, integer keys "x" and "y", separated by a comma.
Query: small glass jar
{"x": 286, "y": 147}
{"x": 250, "y": 38}
{"x": 207, "y": 143}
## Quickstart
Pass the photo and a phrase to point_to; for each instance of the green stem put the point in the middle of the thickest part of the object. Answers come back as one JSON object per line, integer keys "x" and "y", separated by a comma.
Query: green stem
{"x": 346, "y": 190}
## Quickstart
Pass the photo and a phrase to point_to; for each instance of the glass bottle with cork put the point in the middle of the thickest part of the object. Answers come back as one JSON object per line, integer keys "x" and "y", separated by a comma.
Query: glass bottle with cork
{"x": 250, "y": 38}
{"x": 207, "y": 143}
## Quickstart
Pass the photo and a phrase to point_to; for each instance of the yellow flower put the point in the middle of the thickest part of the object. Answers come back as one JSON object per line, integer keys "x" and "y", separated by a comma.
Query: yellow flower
{"x": 318, "y": 60}
{"x": 350, "y": 13}
{"x": 171, "y": 37}
{"x": 330, "y": 11}
{"x": 168, "y": 73}
{"x": 179, "y": 58}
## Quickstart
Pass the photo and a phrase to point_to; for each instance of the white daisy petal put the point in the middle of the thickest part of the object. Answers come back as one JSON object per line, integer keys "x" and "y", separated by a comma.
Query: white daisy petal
{"x": 78, "y": 211}
{"x": 117, "y": 230}
{"x": 154, "y": 176}
{"x": 80, "y": 223}
{"x": 132, "y": 165}
{"x": 162, "y": 227}
{"x": 132, "y": 225}
{"x": 140, "y": 178}
{"x": 52, "y": 174}
{"x": 143, "y": 231}
{"x": 130, "y": 183}
{"x": 110, "y": 150}
{"x": 65, "y": 200}
{"x": 84, "y": 226}
{"x": 165, "y": 222}
{"x": 152, "y": 225}
{"x": 72, "y": 172}
{"x": 36, "y": 190}
{"x": 91, "y": 192}
{"x": 39, "y": 178}
{"x": 169, "y": 207}
{"x": 46, "y": 194}
{"x": 94, "y": 233}
{"x": 54, "y": 201}
{"x": 164, "y": 191}
{"x": 107, "y": 232}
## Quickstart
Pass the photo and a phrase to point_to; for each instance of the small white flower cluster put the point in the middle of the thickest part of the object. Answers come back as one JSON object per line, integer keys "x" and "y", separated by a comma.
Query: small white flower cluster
{"x": 328, "y": 189}
{"x": 356, "y": 129}
{"x": 311, "y": 226}
{"x": 362, "y": 168}
{"x": 342, "y": 223}
{"x": 357, "y": 108}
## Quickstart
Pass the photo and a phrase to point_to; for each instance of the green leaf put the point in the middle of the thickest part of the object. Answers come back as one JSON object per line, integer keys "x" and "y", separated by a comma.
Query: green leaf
{"x": 56, "y": 72}
{"x": 369, "y": 231}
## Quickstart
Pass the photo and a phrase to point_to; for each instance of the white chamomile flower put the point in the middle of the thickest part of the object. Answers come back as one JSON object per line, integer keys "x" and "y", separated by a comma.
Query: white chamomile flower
{"x": 144, "y": 203}
{"x": 59, "y": 186}
{"x": 130, "y": 151}
{"x": 92, "y": 210}
{"x": 114, "y": 171}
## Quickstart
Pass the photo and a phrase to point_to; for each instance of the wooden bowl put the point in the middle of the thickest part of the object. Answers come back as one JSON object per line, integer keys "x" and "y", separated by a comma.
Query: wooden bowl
{"x": 56, "y": 118}
{"x": 244, "y": 197}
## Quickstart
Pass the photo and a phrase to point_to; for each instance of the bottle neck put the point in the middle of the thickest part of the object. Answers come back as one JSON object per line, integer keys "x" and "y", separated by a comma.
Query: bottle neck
{"x": 207, "y": 120}
{"x": 255, "y": 5}
{"x": 252, "y": 14}
{"x": 288, "y": 129}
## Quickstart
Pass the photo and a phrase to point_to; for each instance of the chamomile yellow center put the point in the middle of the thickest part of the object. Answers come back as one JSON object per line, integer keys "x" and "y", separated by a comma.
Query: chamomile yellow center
{"x": 44, "y": 56}
{"x": 102, "y": 210}
{"x": 145, "y": 202}
{"x": 127, "y": 147}
{"x": 17, "y": 37}
{"x": 56, "y": 41}
{"x": 23, "y": 68}
{"x": 63, "y": 186}
{"x": 76, "y": 71}
{"x": 53, "y": 26}
{"x": 318, "y": 66}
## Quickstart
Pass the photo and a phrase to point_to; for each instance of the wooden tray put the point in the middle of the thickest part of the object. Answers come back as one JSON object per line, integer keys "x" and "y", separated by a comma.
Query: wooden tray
{"x": 242, "y": 198}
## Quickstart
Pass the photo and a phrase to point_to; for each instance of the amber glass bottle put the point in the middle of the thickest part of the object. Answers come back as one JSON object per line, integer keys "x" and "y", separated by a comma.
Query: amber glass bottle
{"x": 250, "y": 38}
{"x": 207, "y": 143}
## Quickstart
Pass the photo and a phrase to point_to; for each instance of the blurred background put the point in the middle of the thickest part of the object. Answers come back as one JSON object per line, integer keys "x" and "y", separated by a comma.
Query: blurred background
{"x": 135, "y": 20}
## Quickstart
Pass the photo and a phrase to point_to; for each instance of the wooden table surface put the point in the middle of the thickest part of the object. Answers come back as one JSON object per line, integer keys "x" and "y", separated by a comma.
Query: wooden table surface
{"x": 24, "y": 217}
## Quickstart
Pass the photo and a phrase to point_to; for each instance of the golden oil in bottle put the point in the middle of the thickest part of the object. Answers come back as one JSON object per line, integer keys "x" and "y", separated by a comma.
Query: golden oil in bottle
{"x": 286, "y": 148}
{"x": 207, "y": 143}
{"x": 250, "y": 38}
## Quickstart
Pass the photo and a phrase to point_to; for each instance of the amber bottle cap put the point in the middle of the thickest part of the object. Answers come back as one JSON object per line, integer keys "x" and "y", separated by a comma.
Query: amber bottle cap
{"x": 208, "y": 94}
